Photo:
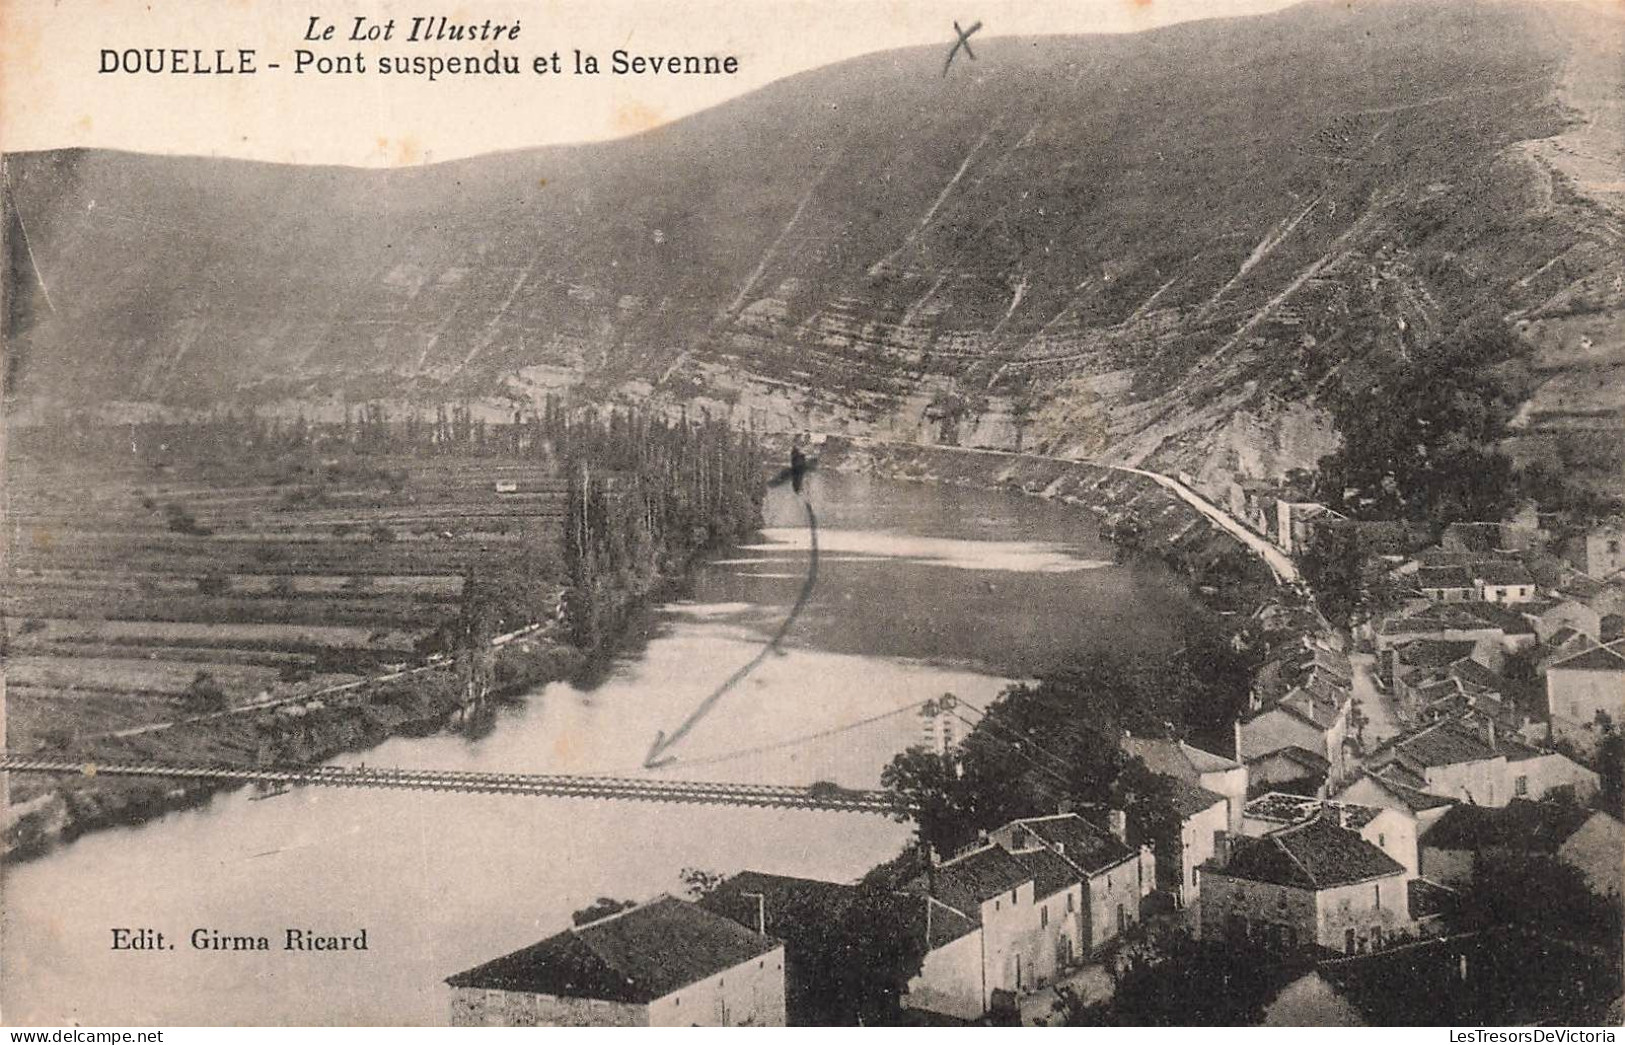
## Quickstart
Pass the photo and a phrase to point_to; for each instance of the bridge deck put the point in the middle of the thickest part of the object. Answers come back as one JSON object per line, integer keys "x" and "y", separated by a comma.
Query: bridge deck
{"x": 826, "y": 797}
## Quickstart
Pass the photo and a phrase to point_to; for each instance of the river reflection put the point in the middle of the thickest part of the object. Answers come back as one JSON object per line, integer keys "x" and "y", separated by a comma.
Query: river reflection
{"x": 921, "y": 590}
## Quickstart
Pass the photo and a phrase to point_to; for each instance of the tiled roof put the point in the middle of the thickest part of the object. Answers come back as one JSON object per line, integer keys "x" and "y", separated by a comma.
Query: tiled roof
{"x": 1442, "y": 577}
{"x": 1501, "y": 574}
{"x": 1435, "y": 653}
{"x": 1050, "y": 871}
{"x": 1534, "y": 826}
{"x": 1190, "y": 799}
{"x": 1471, "y": 671}
{"x": 737, "y": 898}
{"x": 1302, "y": 756}
{"x": 635, "y": 956}
{"x": 1176, "y": 758}
{"x": 1406, "y": 788}
{"x": 1087, "y": 847}
{"x": 966, "y": 881}
{"x": 1445, "y": 743}
{"x": 1599, "y": 658}
{"x": 1316, "y": 854}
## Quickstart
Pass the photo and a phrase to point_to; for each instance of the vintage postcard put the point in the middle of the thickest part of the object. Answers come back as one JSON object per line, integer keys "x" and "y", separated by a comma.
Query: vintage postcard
{"x": 813, "y": 512}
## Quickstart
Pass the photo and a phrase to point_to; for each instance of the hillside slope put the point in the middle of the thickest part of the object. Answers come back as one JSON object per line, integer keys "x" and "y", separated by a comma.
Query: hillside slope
{"x": 1163, "y": 248}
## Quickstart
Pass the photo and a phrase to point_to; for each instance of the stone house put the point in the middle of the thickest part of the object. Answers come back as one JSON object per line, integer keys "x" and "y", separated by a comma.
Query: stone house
{"x": 1204, "y": 817}
{"x": 1390, "y": 829}
{"x": 1580, "y": 685}
{"x": 1590, "y": 841}
{"x": 1504, "y": 582}
{"x": 1309, "y": 885}
{"x": 1569, "y": 613}
{"x": 1177, "y": 759}
{"x": 1293, "y": 769}
{"x": 1599, "y": 552}
{"x": 1394, "y": 787}
{"x": 1469, "y": 759}
{"x": 1445, "y": 584}
{"x": 666, "y": 963}
{"x": 1017, "y": 911}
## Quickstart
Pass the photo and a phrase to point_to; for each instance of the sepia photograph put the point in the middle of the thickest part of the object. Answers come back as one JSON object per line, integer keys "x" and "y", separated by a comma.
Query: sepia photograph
{"x": 813, "y": 513}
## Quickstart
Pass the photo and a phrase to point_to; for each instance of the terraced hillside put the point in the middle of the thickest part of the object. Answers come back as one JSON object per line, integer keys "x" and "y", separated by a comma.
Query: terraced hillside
{"x": 1166, "y": 248}
{"x": 152, "y": 595}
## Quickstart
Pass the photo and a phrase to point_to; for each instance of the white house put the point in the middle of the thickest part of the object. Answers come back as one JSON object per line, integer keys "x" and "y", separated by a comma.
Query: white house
{"x": 667, "y": 963}
{"x": 1311, "y": 884}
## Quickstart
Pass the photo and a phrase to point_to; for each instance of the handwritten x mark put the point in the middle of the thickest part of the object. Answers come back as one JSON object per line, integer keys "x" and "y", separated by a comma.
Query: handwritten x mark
{"x": 963, "y": 41}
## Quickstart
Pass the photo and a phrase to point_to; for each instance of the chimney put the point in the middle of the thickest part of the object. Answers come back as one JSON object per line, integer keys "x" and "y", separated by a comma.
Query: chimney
{"x": 1064, "y": 806}
{"x": 1117, "y": 821}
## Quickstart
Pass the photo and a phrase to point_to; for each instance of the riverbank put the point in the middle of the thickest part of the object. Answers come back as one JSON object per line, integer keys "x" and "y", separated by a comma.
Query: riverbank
{"x": 70, "y": 807}
{"x": 1140, "y": 516}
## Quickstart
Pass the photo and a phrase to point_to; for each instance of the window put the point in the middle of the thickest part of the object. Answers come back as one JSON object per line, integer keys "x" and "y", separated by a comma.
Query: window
{"x": 1043, "y": 917}
{"x": 1382, "y": 840}
{"x": 1069, "y": 899}
{"x": 1193, "y": 877}
{"x": 1613, "y": 547}
{"x": 1348, "y": 941}
{"x": 1013, "y": 894}
{"x": 995, "y": 905}
{"x": 1376, "y": 937}
{"x": 1520, "y": 786}
{"x": 1376, "y": 893}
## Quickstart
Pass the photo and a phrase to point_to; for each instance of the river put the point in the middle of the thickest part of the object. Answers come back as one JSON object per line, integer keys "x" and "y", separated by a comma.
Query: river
{"x": 920, "y": 590}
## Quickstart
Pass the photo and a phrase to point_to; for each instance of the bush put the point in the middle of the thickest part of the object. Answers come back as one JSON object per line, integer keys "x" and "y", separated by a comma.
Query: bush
{"x": 205, "y": 694}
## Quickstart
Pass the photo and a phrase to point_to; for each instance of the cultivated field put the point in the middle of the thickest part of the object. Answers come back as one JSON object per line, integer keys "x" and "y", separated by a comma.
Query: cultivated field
{"x": 150, "y": 594}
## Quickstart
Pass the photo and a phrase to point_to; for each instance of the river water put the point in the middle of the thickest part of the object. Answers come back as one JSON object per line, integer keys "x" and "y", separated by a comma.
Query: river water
{"x": 920, "y": 590}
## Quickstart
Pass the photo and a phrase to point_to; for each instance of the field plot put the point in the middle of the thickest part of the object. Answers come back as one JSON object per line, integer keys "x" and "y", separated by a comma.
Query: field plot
{"x": 149, "y": 594}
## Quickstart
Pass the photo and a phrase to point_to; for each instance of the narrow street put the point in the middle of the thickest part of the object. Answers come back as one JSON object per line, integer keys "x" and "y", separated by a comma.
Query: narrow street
{"x": 1378, "y": 707}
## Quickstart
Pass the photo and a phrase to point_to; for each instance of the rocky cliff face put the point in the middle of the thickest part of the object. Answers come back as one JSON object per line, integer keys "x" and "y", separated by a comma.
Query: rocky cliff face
{"x": 1161, "y": 249}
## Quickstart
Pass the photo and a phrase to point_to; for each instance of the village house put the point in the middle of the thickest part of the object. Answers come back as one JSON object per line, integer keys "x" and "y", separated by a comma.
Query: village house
{"x": 1470, "y": 759}
{"x": 1014, "y": 913}
{"x": 1292, "y": 769}
{"x": 1599, "y": 552}
{"x": 1395, "y": 787}
{"x": 1204, "y": 816}
{"x": 1502, "y": 582}
{"x": 1485, "y": 624}
{"x": 1568, "y": 613}
{"x": 1389, "y": 829}
{"x": 1109, "y": 876}
{"x": 1582, "y": 685}
{"x": 1586, "y": 839}
{"x": 666, "y": 963}
{"x": 1177, "y": 759}
{"x": 1445, "y": 583}
{"x": 1307, "y": 885}
{"x": 805, "y": 913}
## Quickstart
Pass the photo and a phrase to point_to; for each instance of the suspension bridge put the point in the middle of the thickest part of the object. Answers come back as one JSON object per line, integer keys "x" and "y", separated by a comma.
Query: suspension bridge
{"x": 821, "y": 796}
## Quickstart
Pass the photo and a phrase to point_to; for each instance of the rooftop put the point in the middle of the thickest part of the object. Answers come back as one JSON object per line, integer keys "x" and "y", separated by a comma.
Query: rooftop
{"x": 1501, "y": 574}
{"x": 1598, "y": 658}
{"x": 1176, "y": 758}
{"x": 1316, "y": 854}
{"x": 965, "y": 882}
{"x": 1534, "y": 826}
{"x": 635, "y": 956}
{"x": 1085, "y": 846}
{"x": 750, "y": 895}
